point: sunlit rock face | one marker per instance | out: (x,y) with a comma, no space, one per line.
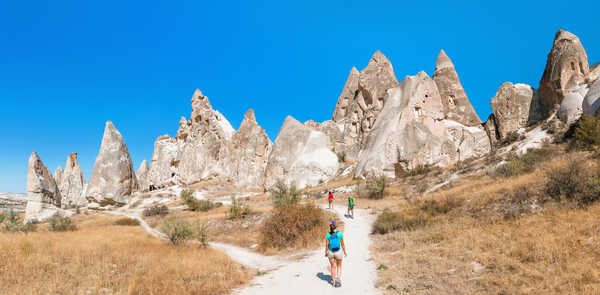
(113,178)
(411,130)
(301,155)
(73,183)
(43,195)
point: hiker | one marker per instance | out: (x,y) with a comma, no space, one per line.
(334,240)
(330,199)
(351,206)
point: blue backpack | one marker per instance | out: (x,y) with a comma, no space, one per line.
(334,241)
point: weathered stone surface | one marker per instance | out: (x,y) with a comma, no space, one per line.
(333,130)
(361,101)
(58,176)
(164,166)
(591,102)
(301,155)
(250,149)
(454,99)
(411,130)
(594,73)
(571,107)
(73,183)
(491,129)
(566,68)
(512,107)
(142,175)
(113,178)
(43,195)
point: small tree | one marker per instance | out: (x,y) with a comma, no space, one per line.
(284,195)
(587,133)
(376,187)
(238,210)
(177,229)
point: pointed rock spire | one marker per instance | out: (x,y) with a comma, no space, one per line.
(58,175)
(567,67)
(142,176)
(113,179)
(347,97)
(41,185)
(457,106)
(72,183)
(375,79)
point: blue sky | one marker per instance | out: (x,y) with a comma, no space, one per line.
(68,66)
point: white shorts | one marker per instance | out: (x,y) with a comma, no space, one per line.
(339,255)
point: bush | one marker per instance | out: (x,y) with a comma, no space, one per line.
(510,138)
(290,225)
(587,133)
(389,221)
(61,223)
(376,187)
(177,229)
(528,162)
(202,233)
(198,205)
(443,206)
(284,195)
(161,210)
(126,221)
(237,209)
(11,223)
(574,182)
(2,216)
(422,186)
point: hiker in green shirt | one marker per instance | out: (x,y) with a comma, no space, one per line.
(351,206)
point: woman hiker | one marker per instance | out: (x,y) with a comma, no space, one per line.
(330,199)
(334,240)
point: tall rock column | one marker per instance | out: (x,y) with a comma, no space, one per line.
(142,176)
(73,183)
(43,195)
(113,179)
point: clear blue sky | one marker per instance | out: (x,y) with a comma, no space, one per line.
(68,66)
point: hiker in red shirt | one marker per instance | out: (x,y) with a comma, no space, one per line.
(330,199)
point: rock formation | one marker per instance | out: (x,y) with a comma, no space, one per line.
(571,107)
(301,155)
(411,131)
(511,106)
(43,195)
(567,67)
(250,149)
(142,176)
(591,102)
(200,150)
(361,101)
(58,176)
(113,179)
(491,129)
(72,183)
(454,99)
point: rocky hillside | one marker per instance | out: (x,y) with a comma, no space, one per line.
(379,126)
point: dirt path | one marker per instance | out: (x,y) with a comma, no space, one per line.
(311,275)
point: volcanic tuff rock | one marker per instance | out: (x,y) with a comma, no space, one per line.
(571,107)
(591,103)
(58,176)
(567,67)
(113,178)
(250,149)
(512,107)
(43,195)
(454,99)
(491,129)
(361,101)
(142,176)
(301,155)
(411,131)
(72,183)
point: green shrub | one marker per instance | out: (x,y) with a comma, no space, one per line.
(177,229)
(528,162)
(198,205)
(376,187)
(587,133)
(237,209)
(126,221)
(575,182)
(283,195)
(61,223)
(161,210)
(290,224)
(389,221)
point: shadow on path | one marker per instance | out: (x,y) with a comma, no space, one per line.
(324,277)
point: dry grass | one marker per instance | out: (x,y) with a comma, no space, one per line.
(468,246)
(101,258)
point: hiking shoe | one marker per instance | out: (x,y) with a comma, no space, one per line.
(338,283)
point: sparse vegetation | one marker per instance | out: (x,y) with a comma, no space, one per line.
(510,138)
(11,223)
(202,233)
(126,221)
(238,209)
(177,229)
(293,225)
(421,186)
(441,206)
(376,187)
(198,205)
(61,223)
(389,221)
(528,162)
(284,195)
(160,210)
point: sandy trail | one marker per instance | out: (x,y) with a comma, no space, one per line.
(311,275)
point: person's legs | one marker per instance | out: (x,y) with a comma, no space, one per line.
(330,204)
(333,269)
(339,269)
